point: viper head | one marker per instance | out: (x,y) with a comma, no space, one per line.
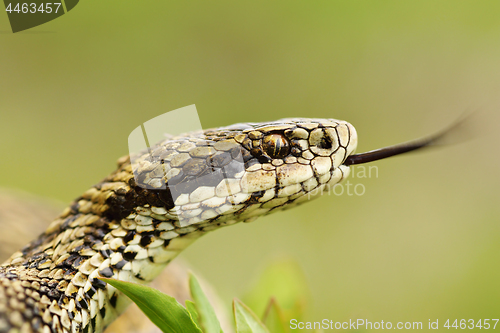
(239,172)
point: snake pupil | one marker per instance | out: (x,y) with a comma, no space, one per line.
(276,146)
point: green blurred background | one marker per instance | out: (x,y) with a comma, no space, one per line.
(421,243)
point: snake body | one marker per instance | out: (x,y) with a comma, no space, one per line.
(157,202)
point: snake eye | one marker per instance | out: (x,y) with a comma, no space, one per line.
(276,146)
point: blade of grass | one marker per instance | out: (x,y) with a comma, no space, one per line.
(246,320)
(273,318)
(192,312)
(206,315)
(163,310)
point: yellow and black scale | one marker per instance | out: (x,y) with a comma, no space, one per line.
(134,222)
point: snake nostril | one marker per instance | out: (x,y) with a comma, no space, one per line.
(325,142)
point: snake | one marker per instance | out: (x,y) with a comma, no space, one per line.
(131,224)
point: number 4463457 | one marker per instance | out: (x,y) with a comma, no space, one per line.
(471,324)
(34,8)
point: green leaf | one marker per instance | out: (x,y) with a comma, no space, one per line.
(206,315)
(246,320)
(192,312)
(163,310)
(274,319)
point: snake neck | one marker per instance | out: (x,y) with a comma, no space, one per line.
(52,284)
(134,222)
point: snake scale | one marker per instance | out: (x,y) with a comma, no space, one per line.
(136,220)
